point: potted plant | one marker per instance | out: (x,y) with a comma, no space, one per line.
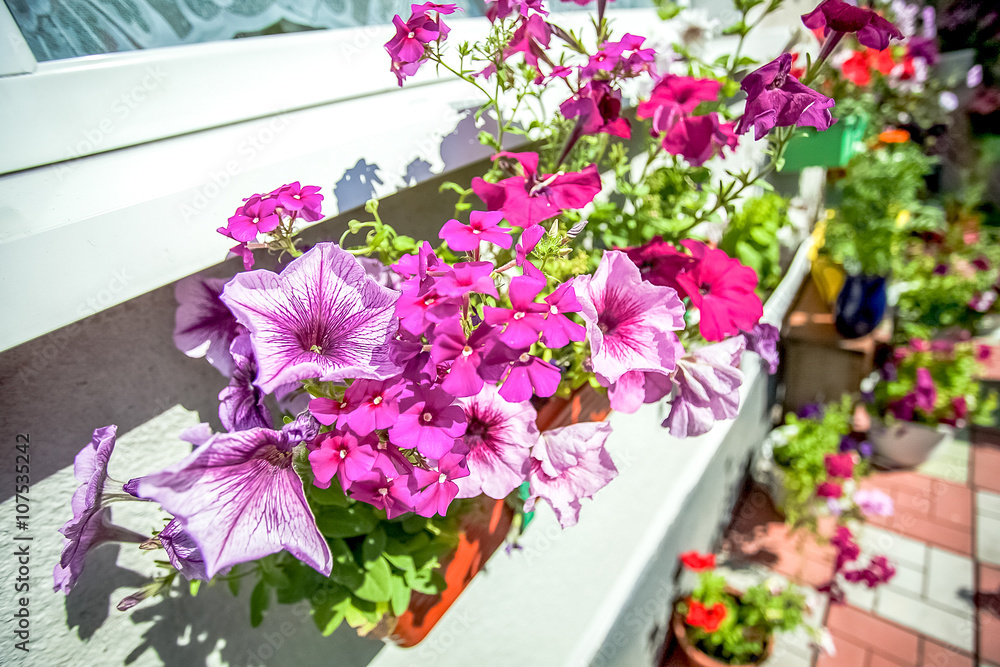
(879,205)
(716,624)
(382,409)
(919,395)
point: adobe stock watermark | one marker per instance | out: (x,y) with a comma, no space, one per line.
(220,179)
(96,137)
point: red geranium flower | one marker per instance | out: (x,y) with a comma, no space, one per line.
(707,618)
(697,562)
(856,70)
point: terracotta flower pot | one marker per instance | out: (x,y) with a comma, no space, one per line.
(697,658)
(484,530)
(906,445)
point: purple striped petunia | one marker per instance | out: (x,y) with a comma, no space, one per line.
(322,317)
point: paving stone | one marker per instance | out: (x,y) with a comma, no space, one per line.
(937,655)
(986,469)
(988,539)
(849,654)
(786,658)
(900,549)
(950,461)
(945,626)
(988,504)
(952,503)
(881,661)
(860,596)
(989,637)
(950,581)
(907,579)
(875,634)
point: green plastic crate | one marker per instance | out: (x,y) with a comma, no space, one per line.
(833,148)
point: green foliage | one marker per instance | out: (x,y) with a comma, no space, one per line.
(752,617)
(377,563)
(939,281)
(953,369)
(880,206)
(801,457)
(752,237)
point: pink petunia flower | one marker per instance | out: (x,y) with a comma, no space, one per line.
(723,291)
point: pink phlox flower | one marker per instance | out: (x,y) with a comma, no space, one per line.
(630,322)
(708,382)
(501,9)
(532,198)
(373,404)
(531,38)
(466,354)
(437,487)
(257,216)
(429,421)
(466,277)
(612,58)
(558,330)
(385,488)
(420,305)
(674,97)
(303,200)
(528,375)
(524,321)
(483,226)
(243,252)
(567,465)
(847,549)
(872,30)
(341,455)
(597,108)
(776,98)
(723,291)
(499,438)
(699,138)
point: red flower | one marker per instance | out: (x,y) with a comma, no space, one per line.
(856,70)
(707,618)
(882,60)
(697,562)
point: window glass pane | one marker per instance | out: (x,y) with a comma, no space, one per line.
(56,29)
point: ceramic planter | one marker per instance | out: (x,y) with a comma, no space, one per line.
(696,658)
(905,444)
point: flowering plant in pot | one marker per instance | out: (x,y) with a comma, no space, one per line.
(717,624)
(924,385)
(382,390)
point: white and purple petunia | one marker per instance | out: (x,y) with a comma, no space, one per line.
(241,403)
(499,435)
(204,326)
(322,317)
(182,551)
(708,381)
(630,322)
(91,523)
(239,499)
(569,464)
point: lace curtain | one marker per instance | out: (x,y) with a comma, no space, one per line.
(56,29)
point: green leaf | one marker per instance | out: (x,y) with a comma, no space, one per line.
(193,586)
(400,596)
(272,573)
(374,545)
(329,605)
(345,570)
(357,519)
(333,495)
(377,584)
(260,599)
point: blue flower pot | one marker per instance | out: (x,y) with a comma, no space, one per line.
(860,305)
